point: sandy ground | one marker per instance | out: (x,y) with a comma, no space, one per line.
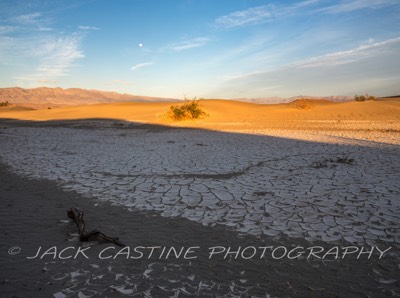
(225,114)
(377,121)
(302,175)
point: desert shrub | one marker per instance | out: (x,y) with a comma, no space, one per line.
(363,97)
(189,110)
(4,104)
(302,104)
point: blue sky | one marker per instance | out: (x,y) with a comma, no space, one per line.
(203,48)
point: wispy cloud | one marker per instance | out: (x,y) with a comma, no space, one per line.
(305,3)
(27,18)
(141,65)
(365,50)
(252,15)
(56,57)
(352,5)
(190,44)
(7,29)
(265,13)
(88,28)
(10,49)
(344,57)
(352,71)
(59,54)
(259,14)
(45,29)
(42,54)
(32,21)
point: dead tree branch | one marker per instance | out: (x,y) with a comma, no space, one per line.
(77,216)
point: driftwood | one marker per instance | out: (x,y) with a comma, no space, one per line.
(77,216)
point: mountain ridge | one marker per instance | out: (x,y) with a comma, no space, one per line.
(58,97)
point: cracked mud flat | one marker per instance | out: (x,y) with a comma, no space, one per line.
(327,189)
(255,184)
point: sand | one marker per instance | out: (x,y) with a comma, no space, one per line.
(298,162)
(377,120)
(226,111)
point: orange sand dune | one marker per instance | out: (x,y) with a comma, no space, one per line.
(224,114)
(138,112)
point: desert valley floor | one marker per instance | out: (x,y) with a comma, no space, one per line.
(308,179)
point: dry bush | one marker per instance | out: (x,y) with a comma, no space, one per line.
(363,97)
(302,104)
(189,110)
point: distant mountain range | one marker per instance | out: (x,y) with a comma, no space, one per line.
(53,97)
(276,100)
(57,97)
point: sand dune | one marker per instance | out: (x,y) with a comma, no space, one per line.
(224,112)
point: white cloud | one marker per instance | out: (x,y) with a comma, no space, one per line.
(141,65)
(61,54)
(39,53)
(259,14)
(27,18)
(305,3)
(264,13)
(7,29)
(243,17)
(88,28)
(32,21)
(190,44)
(55,58)
(45,29)
(363,51)
(348,56)
(371,67)
(348,6)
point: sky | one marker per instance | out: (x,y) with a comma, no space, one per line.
(203,48)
